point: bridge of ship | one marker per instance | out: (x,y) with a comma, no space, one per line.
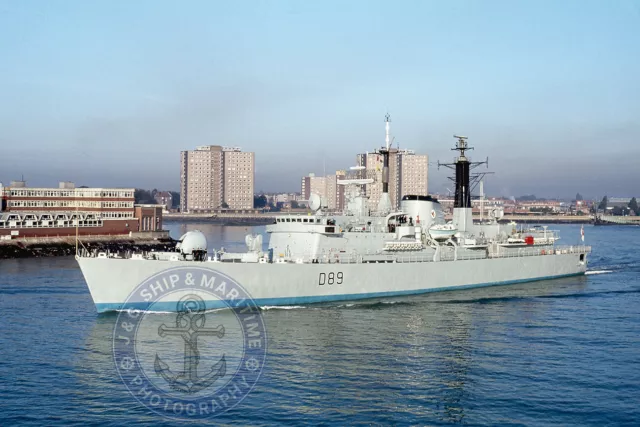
(304,224)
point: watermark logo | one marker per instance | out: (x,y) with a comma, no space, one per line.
(191,343)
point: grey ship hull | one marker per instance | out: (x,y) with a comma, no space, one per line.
(112,281)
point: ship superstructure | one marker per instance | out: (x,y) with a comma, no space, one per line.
(359,254)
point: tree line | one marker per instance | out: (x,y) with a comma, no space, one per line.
(632,206)
(142,196)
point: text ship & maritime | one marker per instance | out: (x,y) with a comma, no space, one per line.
(357,254)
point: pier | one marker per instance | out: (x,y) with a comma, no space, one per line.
(617,220)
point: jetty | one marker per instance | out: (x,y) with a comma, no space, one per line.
(616,220)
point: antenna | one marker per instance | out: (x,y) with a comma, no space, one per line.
(465,181)
(461,145)
(384,205)
(481,200)
(387,120)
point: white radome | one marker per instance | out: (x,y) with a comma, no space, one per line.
(192,241)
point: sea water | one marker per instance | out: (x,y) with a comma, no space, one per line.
(555,352)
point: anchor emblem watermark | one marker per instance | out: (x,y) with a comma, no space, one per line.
(190,324)
(181,357)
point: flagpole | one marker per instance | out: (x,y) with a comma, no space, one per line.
(77,220)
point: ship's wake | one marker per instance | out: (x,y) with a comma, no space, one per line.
(371,304)
(362,304)
(588,273)
(281,307)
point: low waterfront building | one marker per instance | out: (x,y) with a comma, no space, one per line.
(41,212)
(620,202)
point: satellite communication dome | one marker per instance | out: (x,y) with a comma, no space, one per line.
(192,241)
(314,202)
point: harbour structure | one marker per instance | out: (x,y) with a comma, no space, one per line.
(67,211)
(358,254)
(214,177)
(602,219)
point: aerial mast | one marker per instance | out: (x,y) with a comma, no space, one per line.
(465,183)
(463,194)
(387,126)
(384,206)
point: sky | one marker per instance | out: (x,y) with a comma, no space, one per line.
(107,93)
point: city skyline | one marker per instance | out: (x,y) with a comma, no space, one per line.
(98,95)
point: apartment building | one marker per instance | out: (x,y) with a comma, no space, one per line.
(238,178)
(212,177)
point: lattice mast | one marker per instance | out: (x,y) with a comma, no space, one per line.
(465,181)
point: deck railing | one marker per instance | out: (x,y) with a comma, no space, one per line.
(446,254)
(449,255)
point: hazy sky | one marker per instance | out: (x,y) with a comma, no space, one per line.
(107,93)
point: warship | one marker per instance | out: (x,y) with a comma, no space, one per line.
(358,253)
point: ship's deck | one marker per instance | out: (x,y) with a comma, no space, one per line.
(447,254)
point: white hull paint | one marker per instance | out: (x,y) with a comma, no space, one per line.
(111,281)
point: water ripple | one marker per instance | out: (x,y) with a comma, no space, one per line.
(560,352)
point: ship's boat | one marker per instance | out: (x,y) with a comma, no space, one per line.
(442,231)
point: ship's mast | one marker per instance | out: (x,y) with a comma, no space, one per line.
(465,183)
(463,194)
(384,205)
(387,126)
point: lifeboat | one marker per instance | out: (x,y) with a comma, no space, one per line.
(442,231)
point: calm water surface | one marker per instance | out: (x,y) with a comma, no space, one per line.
(559,352)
